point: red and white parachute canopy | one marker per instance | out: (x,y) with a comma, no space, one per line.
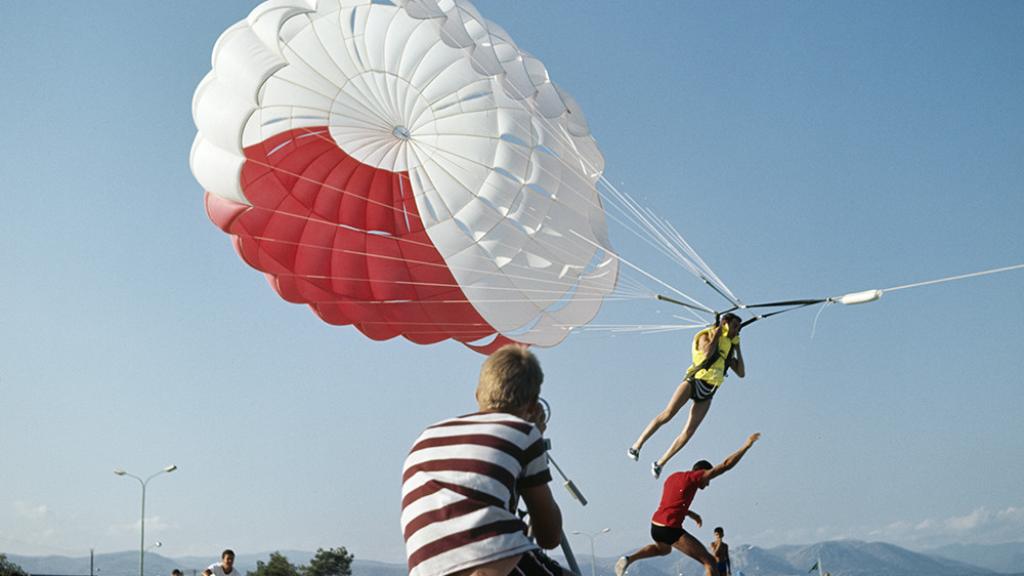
(405,169)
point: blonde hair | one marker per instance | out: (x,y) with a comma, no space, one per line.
(510,379)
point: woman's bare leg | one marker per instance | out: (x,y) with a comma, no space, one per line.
(697,412)
(679,398)
(497,568)
(692,547)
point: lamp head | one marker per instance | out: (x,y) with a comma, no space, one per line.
(170,468)
(119,472)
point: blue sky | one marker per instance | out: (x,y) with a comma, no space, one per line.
(804,149)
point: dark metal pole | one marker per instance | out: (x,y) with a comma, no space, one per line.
(570,558)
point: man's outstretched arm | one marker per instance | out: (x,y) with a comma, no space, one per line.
(733,458)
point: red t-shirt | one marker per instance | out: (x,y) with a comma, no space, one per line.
(680,488)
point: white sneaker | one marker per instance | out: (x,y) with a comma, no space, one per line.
(655,469)
(620,566)
(633,454)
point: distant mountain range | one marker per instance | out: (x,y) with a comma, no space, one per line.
(1008,557)
(839,558)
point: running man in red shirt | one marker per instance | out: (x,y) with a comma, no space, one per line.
(667,522)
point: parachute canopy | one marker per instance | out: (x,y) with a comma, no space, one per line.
(405,169)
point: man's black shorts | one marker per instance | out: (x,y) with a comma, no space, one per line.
(666,534)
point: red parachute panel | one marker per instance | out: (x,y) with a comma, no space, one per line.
(345,238)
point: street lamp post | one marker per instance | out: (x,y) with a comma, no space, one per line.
(593,556)
(142,542)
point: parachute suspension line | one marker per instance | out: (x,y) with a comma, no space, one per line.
(647,274)
(957,277)
(643,329)
(486,329)
(635,286)
(702,264)
(324,185)
(405,212)
(566,285)
(814,326)
(438,285)
(669,234)
(643,217)
(674,245)
(546,301)
(674,241)
(669,238)
(660,229)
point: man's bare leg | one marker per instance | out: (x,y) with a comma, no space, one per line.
(692,547)
(649,551)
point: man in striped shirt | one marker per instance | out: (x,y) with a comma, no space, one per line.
(464,476)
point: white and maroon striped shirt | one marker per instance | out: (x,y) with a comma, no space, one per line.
(460,487)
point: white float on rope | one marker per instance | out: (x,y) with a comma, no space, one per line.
(862,297)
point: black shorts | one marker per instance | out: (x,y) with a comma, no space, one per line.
(665,534)
(536,563)
(701,390)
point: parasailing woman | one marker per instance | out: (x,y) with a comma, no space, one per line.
(715,351)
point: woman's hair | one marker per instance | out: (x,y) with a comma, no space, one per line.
(509,379)
(728,317)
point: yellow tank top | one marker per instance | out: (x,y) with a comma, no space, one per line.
(715,374)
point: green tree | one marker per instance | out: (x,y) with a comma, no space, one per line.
(277,566)
(8,568)
(331,562)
